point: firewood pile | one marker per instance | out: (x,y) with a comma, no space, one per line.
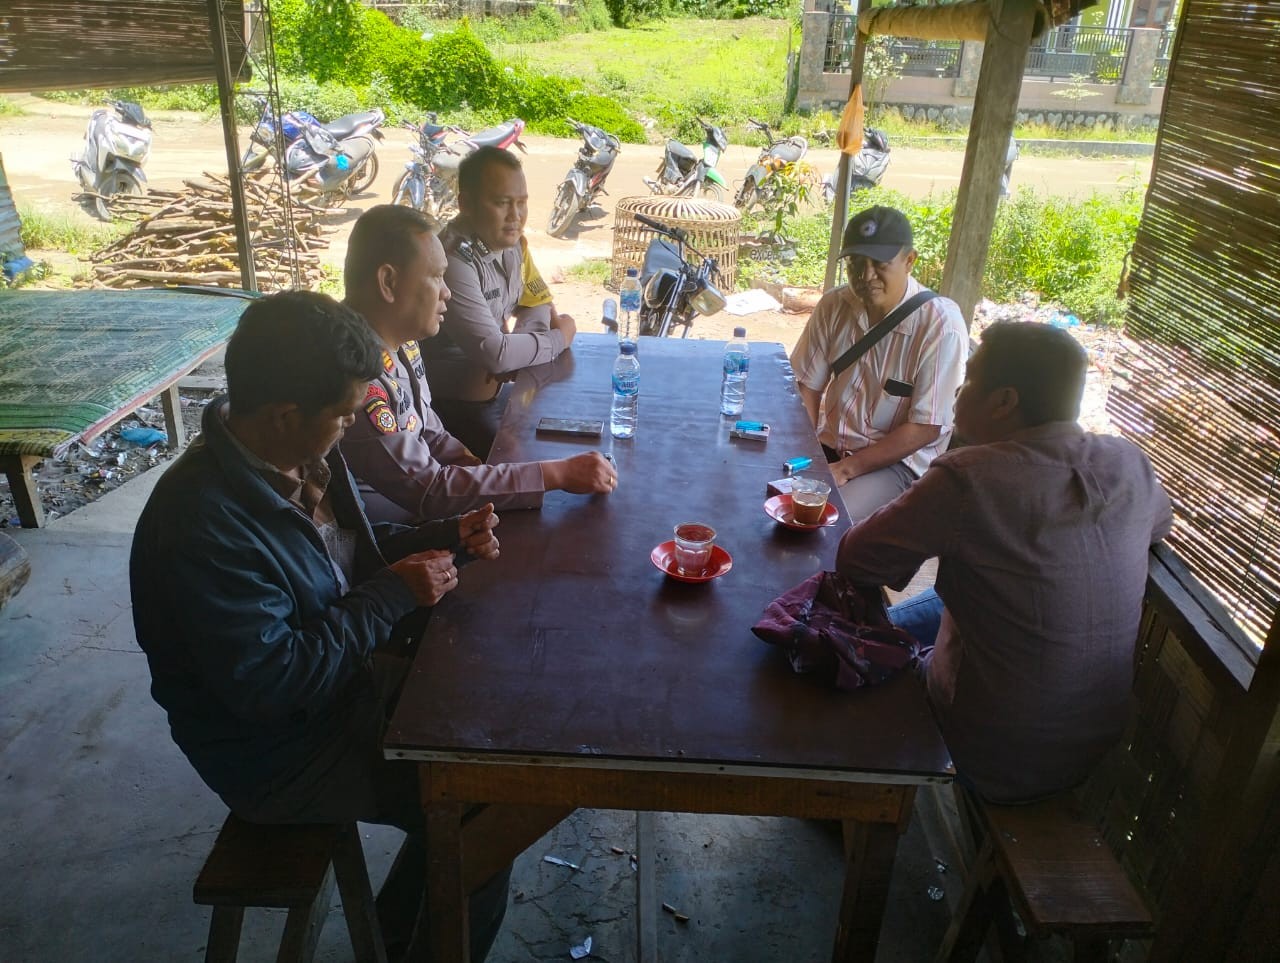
(188,237)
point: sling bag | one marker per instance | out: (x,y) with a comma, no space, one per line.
(872,337)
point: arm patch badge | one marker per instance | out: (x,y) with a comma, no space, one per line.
(382,417)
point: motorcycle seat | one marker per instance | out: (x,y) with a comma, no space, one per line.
(493,136)
(788,152)
(346,126)
(680,151)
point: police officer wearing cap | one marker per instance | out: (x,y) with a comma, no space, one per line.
(500,318)
(889,356)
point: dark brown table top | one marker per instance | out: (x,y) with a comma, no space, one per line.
(573,644)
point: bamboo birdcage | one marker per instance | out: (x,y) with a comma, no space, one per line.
(712,229)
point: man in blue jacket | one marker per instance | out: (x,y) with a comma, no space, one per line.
(265,601)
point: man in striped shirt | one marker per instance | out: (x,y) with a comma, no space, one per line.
(888,413)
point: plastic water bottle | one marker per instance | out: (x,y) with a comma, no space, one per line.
(629,296)
(733,386)
(626,391)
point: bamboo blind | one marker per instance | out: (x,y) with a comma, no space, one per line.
(70,44)
(1201,391)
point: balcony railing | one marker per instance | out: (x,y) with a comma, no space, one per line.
(927,58)
(1096,54)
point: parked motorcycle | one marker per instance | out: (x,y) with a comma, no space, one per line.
(760,186)
(585,180)
(430,180)
(674,290)
(352,135)
(866,168)
(117,143)
(682,173)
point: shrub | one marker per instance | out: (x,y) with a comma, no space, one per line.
(1068,251)
(607,115)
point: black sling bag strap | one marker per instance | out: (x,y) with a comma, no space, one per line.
(872,337)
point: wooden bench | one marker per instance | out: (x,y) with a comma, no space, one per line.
(293,868)
(73,363)
(1142,848)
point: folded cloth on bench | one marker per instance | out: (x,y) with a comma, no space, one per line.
(71,362)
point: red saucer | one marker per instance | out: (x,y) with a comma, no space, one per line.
(779,508)
(664,556)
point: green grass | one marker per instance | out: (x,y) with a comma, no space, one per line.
(671,71)
(594,270)
(65,231)
(9,109)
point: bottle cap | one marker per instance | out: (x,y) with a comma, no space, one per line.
(633,273)
(626,347)
(739,332)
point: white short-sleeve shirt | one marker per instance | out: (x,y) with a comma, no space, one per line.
(911,375)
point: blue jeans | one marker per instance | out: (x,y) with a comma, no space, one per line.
(920,615)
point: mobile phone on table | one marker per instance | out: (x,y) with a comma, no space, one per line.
(580,427)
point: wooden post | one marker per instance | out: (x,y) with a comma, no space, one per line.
(995,108)
(227,101)
(839,213)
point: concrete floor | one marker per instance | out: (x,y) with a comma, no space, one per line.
(106,825)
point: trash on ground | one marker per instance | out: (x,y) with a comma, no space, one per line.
(935,893)
(143,437)
(750,301)
(583,949)
(556,860)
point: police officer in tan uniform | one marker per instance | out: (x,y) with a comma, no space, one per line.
(408,465)
(500,318)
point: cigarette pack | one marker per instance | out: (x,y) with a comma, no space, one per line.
(779,486)
(750,434)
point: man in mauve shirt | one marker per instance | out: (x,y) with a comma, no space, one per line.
(1042,532)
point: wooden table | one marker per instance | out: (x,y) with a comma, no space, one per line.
(572,673)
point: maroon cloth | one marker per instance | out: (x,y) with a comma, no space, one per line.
(828,625)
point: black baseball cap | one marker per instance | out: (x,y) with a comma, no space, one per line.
(878,233)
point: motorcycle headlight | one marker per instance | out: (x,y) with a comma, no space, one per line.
(707,300)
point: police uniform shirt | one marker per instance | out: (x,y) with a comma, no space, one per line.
(477,340)
(407,464)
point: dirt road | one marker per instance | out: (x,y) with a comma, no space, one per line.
(36,148)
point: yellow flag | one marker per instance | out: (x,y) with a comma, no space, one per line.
(535,290)
(849,133)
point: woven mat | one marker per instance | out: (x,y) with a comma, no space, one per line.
(71,361)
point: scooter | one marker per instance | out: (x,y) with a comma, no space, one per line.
(867,166)
(585,180)
(318,163)
(674,290)
(759,186)
(365,124)
(681,173)
(116,145)
(430,180)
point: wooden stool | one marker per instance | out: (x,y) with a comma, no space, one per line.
(287,867)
